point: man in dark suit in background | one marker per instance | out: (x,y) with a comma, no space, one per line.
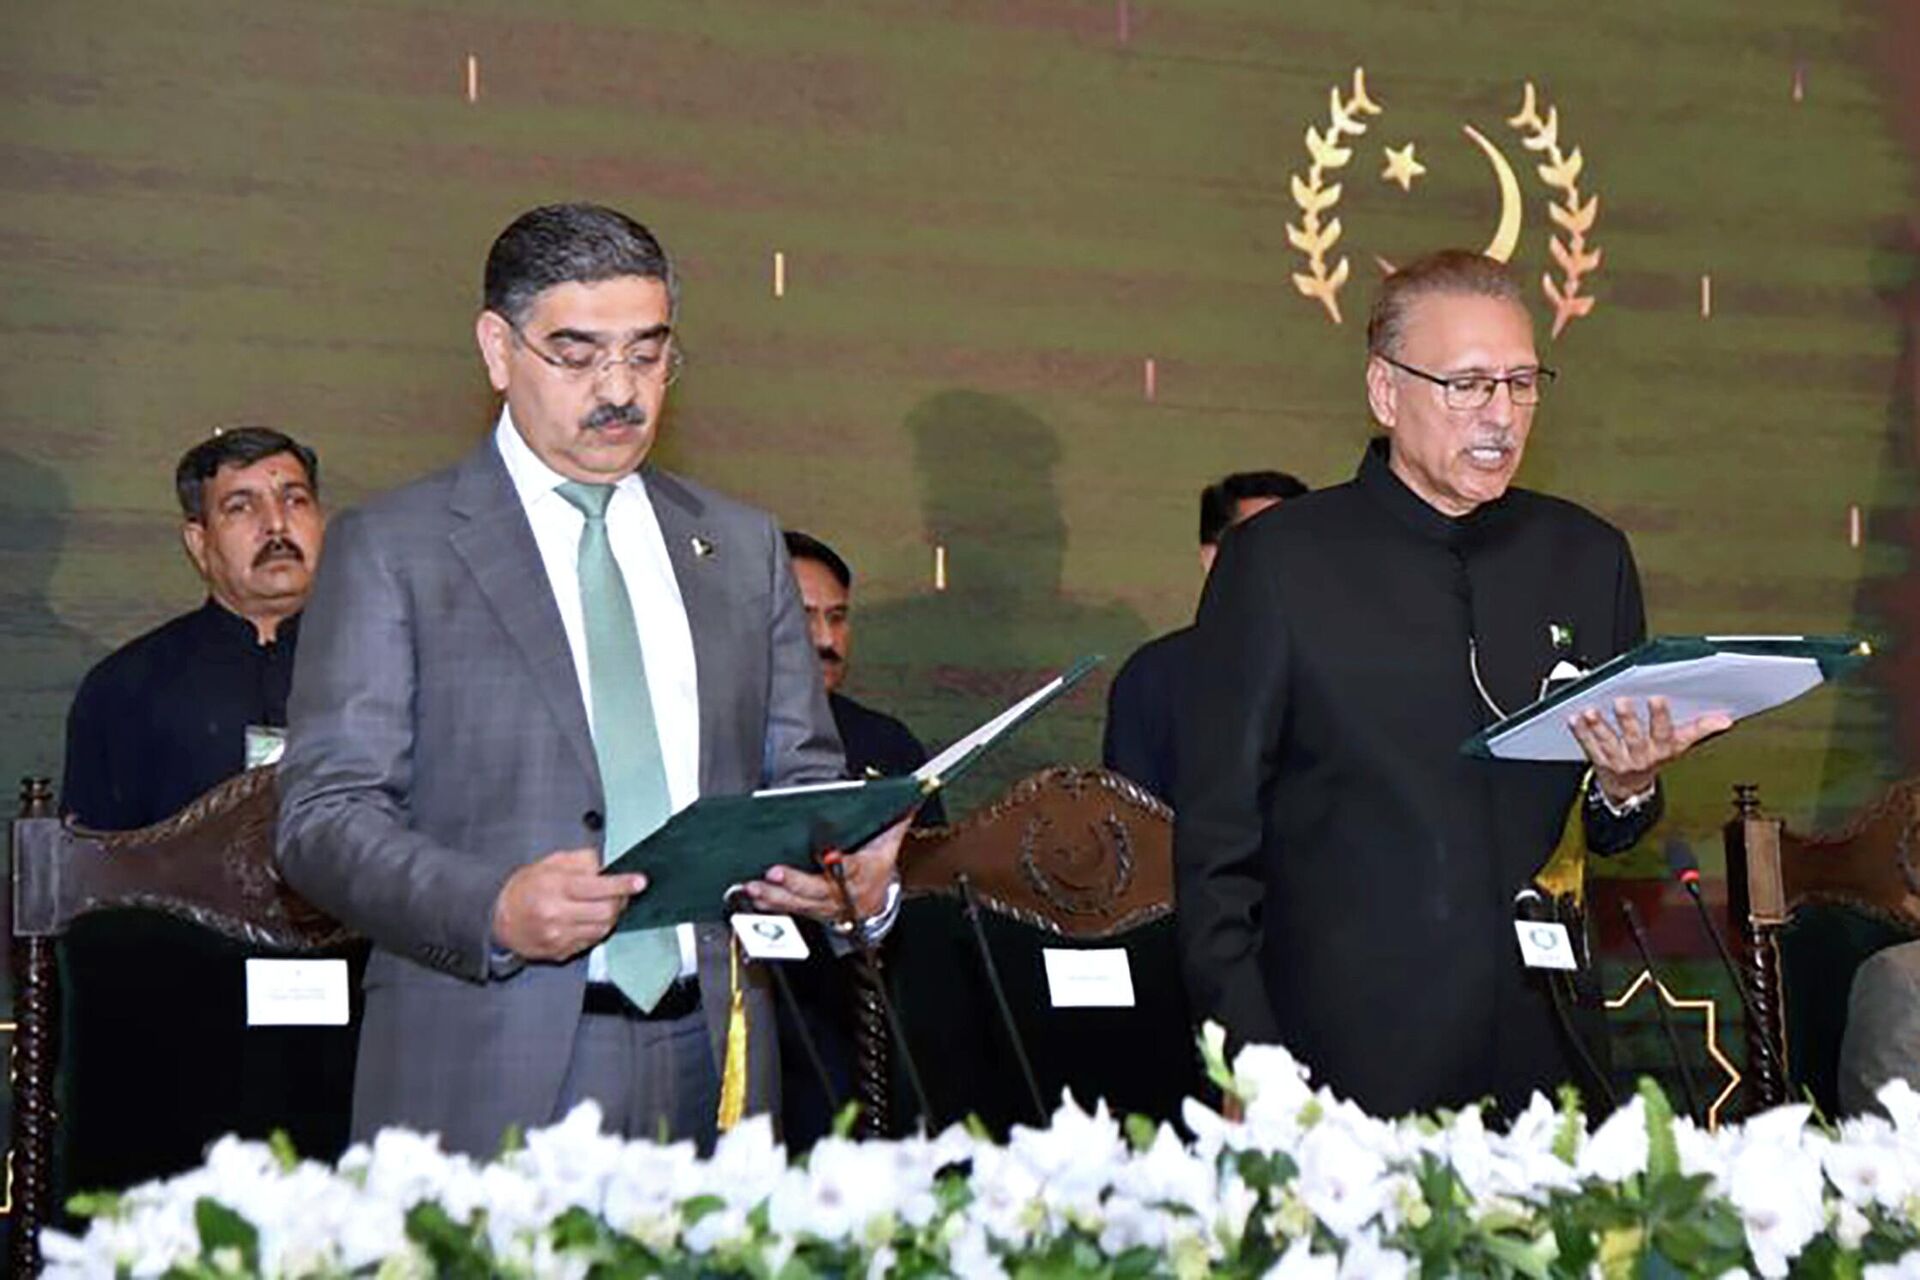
(1142,700)
(520,665)
(877,745)
(157,1009)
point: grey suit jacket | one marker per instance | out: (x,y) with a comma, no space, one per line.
(437,741)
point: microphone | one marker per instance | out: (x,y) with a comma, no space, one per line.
(1530,903)
(834,864)
(1686,870)
(1660,1007)
(736,900)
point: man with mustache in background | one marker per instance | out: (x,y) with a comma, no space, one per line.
(161,1058)
(1347,878)
(877,746)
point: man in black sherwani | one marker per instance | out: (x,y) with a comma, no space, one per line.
(1346,877)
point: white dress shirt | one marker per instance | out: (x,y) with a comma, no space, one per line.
(659,615)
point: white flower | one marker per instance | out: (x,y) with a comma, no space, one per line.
(745,1166)
(1618,1148)
(971,1255)
(1167,1172)
(843,1185)
(1367,1259)
(1774,1180)
(1898,1100)
(1006,1193)
(1342,1179)
(1299,1262)
(722,1226)
(1866,1166)
(1273,1081)
(1073,1158)
(1850,1226)
(1907,1268)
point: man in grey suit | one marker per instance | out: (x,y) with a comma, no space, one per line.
(516,664)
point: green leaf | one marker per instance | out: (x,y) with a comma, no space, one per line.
(698,1207)
(457,1252)
(222,1228)
(578,1229)
(1573,1125)
(846,1118)
(1663,1157)
(283,1153)
(1140,1131)
(95,1204)
(1528,1257)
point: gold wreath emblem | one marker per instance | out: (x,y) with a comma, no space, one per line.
(1324,154)
(1319,230)
(1561,172)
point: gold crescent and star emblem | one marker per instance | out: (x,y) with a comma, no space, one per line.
(1328,152)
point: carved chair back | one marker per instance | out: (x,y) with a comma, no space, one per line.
(1068,860)
(1809,909)
(210,865)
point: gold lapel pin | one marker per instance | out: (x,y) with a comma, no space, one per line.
(701,547)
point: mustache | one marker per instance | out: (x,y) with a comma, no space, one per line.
(615,415)
(829,654)
(278,549)
(1491,440)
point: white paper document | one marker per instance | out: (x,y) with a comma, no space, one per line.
(986,734)
(1735,684)
(296,993)
(1097,979)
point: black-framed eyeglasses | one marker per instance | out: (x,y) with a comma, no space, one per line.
(658,357)
(1475,390)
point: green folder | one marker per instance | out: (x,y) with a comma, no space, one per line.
(1740,676)
(720,841)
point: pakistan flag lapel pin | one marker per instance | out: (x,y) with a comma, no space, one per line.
(1562,636)
(702,549)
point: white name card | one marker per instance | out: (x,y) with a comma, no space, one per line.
(296,993)
(1545,944)
(769,937)
(1098,979)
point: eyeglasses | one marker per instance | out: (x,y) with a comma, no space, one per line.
(1475,390)
(654,358)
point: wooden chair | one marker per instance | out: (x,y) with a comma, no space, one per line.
(1809,909)
(1071,859)
(210,865)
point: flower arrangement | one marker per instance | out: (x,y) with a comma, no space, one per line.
(1300,1184)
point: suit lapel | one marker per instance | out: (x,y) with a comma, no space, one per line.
(497,546)
(700,565)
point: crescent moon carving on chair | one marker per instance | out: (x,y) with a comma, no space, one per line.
(1506,237)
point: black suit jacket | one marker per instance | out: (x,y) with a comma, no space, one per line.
(1345,876)
(1139,742)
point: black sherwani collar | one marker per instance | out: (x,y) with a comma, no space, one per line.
(1414,513)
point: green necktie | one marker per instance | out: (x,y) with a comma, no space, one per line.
(626,741)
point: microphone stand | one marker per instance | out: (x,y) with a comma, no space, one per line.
(972,902)
(1660,1007)
(834,863)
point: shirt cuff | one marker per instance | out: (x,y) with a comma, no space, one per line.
(1639,800)
(878,925)
(502,963)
